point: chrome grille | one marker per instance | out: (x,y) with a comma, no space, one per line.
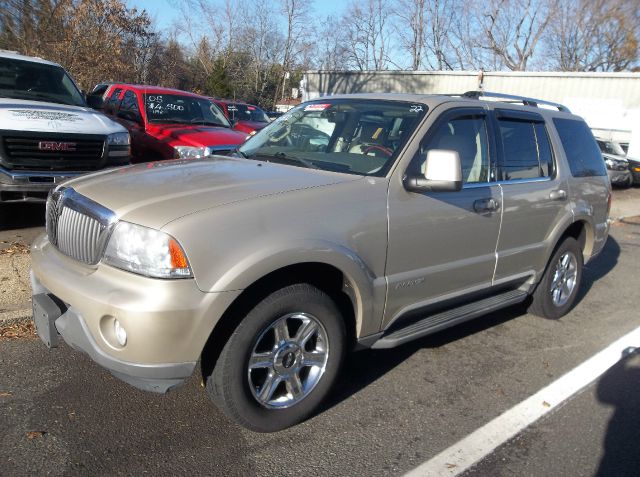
(78,226)
(78,235)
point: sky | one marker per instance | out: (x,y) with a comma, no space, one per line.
(164,12)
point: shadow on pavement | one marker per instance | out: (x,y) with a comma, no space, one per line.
(21,216)
(620,388)
(365,367)
(600,266)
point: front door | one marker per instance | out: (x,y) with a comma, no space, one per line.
(443,244)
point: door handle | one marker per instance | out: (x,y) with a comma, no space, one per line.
(558,194)
(486,205)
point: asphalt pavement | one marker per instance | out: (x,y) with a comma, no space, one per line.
(61,414)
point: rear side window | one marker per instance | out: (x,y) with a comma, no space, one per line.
(526,150)
(111,103)
(580,148)
(130,103)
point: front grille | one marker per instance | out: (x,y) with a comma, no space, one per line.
(78,226)
(47,152)
(78,235)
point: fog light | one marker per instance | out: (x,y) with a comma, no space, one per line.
(121,334)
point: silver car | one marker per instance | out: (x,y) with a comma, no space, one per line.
(350,222)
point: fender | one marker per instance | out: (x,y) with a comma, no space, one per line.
(366,290)
(559,230)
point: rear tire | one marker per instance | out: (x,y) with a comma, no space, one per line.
(281,361)
(557,291)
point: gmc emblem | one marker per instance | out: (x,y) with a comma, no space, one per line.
(56,146)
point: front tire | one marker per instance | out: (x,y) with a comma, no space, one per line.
(557,291)
(281,360)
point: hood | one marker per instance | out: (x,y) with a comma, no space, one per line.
(23,115)
(614,157)
(199,136)
(249,126)
(155,193)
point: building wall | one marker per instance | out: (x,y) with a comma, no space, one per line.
(609,102)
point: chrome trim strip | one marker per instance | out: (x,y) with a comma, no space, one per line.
(84,230)
(525,181)
(24,176)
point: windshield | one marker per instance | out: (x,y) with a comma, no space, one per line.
(175,108)
(610,147)
(37,82)
(355,136)
(246,112)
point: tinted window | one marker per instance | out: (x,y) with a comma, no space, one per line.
(37,82)
(130,103)
(246,112)
(526,150)
(468,136)
(580,148)
(111,103)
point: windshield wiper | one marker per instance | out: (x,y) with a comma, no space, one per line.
(284,157)
(239,153)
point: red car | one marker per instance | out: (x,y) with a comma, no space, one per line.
(168,123)
(244,117)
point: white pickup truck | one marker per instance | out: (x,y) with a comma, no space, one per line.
(47,132)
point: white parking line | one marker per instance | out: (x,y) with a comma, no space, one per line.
(480,443)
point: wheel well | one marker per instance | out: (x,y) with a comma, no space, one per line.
(325,277)
(581,231)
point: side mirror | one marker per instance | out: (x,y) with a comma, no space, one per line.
(443,172)
(95,102)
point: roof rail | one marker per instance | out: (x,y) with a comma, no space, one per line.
(513,98)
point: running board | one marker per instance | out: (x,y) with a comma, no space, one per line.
(448,318)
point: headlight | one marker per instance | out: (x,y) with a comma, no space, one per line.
(147,252)
(610,163)
(119,139)
(190,152)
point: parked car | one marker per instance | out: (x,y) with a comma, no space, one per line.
(167,123)
(634,167)
(361,221)
(618,168)
(47,132)
(611,147)
(273,115)
(244,117)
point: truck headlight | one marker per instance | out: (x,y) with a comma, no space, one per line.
(147,252)
(190,152)
(119,139)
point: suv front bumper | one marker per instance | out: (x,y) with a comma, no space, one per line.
(52,318)
(168,322)
(29,186)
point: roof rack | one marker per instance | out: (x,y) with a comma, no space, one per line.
(515,99)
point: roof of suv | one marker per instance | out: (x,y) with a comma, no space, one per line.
(14,55)
(473,97)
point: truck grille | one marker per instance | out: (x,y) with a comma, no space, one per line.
(78,226)
(59,152)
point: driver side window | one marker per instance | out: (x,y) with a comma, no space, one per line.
(465,134)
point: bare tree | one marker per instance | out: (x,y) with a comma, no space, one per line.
(511,29)
(594,35)
(410,29)
(367,35)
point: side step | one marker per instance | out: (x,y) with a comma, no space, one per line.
(448,318)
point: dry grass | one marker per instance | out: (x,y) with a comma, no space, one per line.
(20,330)
(13,248)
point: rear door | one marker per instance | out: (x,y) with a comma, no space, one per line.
(442,244)
(535,199)
(129,115)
